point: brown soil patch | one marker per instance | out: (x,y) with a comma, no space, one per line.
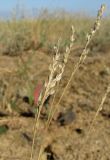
(83,96)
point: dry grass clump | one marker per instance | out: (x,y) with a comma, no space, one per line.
(19,35)
(56,71)
(14,37)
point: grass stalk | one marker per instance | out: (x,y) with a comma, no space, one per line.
(95,117)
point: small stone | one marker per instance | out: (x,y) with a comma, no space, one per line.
(66,118)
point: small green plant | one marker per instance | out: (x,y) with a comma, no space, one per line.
(3,129)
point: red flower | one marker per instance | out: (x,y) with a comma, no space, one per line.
(37,93)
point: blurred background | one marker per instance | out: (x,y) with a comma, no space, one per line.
(26,24)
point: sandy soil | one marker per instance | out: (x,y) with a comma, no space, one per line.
(84,95)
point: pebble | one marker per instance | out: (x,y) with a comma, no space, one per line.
(66,118)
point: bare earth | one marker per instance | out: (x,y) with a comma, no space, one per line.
(84,95)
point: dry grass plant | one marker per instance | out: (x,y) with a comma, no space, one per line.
(56,71)
(65,59)
(66,55)
(83,55)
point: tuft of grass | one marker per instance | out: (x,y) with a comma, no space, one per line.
(15,38)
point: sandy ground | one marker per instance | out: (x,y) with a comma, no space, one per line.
(69,142)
